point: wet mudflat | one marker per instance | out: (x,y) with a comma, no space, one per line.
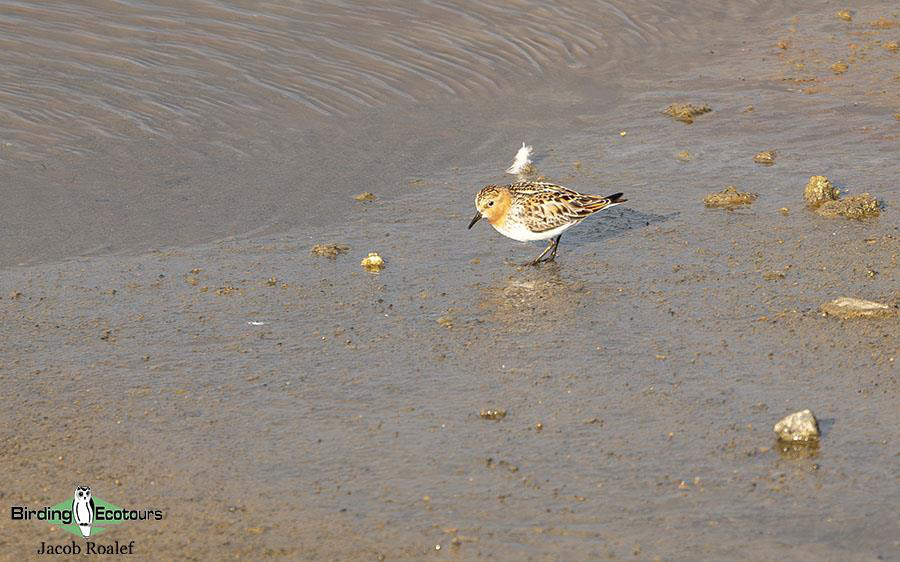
(277,402)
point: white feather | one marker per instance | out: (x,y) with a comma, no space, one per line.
(523,159)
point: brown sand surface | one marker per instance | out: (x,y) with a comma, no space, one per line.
(170,339)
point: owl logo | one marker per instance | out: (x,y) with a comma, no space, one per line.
(83,509)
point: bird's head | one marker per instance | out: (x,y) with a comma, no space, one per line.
(492,203)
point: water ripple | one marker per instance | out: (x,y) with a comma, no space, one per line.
(78,72)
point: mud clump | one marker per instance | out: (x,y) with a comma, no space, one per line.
(819,190)
(685,112)
(729,197)
(799,426)
(330,250)
(856,207)
(848,307)
(766,157)
(372,263)
(884,23)
(493,414)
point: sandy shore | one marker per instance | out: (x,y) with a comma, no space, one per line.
(275,403)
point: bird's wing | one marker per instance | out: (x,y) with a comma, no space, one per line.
(527,188)
(548,210)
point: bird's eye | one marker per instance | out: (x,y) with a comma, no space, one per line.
(490,204)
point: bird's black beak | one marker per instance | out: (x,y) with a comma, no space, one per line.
(475,219)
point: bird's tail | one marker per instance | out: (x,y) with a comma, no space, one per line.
(603,202)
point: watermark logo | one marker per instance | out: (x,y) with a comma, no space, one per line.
(85,516)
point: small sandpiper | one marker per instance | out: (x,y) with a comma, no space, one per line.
(533,210)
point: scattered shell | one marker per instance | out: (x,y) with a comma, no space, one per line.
(365,196)
(729,197)
(892,46)
(855,207)
(373,262)
(685,112)
(773,275)
(839,67)
(784,210)
(848,307)
(819,190)
(845,15)
(445,321)
(330,250)
(493,414)
(783,44)
(766,157)
(684,156)
(799,426)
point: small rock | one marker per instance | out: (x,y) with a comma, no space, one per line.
(373,262)
(685,112)
(799,426)
(766,157)
(365,196)
(819,190)
(729,197)
(330,250)
(839,67)
(493,414)
(855,207)
(848,307)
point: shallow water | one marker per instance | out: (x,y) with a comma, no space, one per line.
(343,423)
(137,125)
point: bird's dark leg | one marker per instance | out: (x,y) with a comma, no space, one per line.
(551,246)
(555,247)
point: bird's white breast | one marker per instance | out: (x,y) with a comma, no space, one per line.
(518,231)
